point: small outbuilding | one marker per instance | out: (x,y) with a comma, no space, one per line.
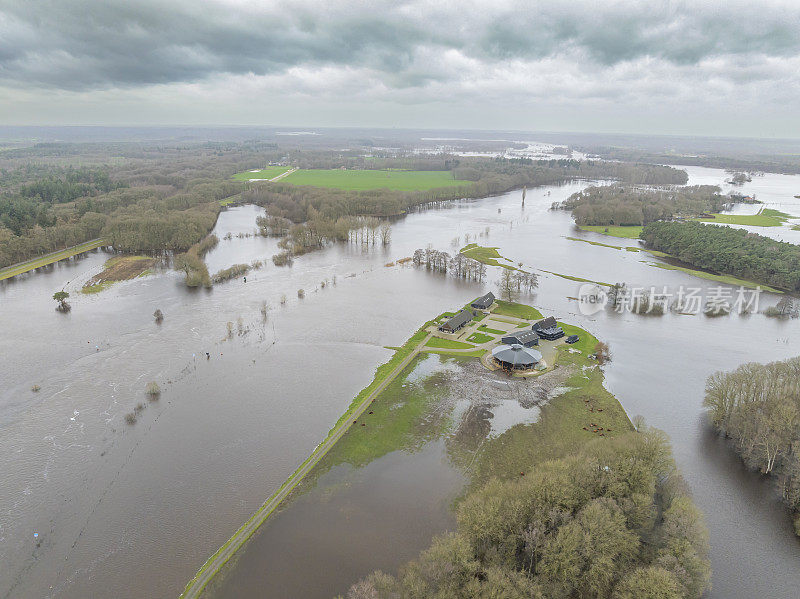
(524,338)
(548,329)
(515,357)
(573,339)
(483,303)
(456,322)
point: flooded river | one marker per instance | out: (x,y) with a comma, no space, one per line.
(134,510)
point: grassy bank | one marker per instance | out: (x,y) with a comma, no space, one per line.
(724,279)
(577,279)
(22,267)
(119,268)
(631,232)
(767,217)
(487,255)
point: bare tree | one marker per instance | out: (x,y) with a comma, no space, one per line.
(386,233)
(508,285)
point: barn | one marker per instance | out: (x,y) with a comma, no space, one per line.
(524,338)
(456,322)
(484,302)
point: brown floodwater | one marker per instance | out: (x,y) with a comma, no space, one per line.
(134,510)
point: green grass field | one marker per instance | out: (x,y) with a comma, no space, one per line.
(631,232)
(479,338)
(766,218)
(487,255)
(447,344)
(264,173)
(367,179)
(519,310)
(486,329)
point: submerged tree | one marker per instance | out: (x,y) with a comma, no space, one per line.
(61,298)
(508,285)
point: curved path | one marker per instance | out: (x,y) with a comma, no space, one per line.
(224,553)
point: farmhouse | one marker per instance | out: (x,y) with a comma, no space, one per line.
(456,322)
(515,357)
(483,303)
(548,329)
(524,338)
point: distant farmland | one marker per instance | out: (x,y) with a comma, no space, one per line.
(367,179)
(264,173)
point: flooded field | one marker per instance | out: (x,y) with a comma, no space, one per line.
(111,501)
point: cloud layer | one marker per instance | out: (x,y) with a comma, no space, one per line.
(402,60)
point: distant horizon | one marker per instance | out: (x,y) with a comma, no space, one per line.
(712,69)
(309,128)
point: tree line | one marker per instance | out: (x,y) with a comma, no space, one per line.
(633,205)
(611,521)
(728,250)
(459,265)
(757,406)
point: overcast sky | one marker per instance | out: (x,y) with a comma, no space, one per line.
(706,68)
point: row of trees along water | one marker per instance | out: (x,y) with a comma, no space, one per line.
(637,205)
(732,251)
(612,521)
(758,407)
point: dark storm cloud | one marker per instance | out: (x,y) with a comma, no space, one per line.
(83,45)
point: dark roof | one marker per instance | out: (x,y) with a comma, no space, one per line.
(516,355)
(484,301)
(459,320)
(523,337)
(547,323)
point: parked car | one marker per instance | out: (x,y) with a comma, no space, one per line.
(573,339)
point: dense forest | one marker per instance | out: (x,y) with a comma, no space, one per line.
(613,521)
(632,205)
(728,250)
(150,197)
(758,407)
(140,197)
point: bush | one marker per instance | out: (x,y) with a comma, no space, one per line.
(301,293)
(159,316)
(282,259)
(35,388)
(237,270)
(153,390)
(130,418)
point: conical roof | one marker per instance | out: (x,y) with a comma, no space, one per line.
(516,355)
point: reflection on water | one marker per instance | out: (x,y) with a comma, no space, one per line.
(111,501)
